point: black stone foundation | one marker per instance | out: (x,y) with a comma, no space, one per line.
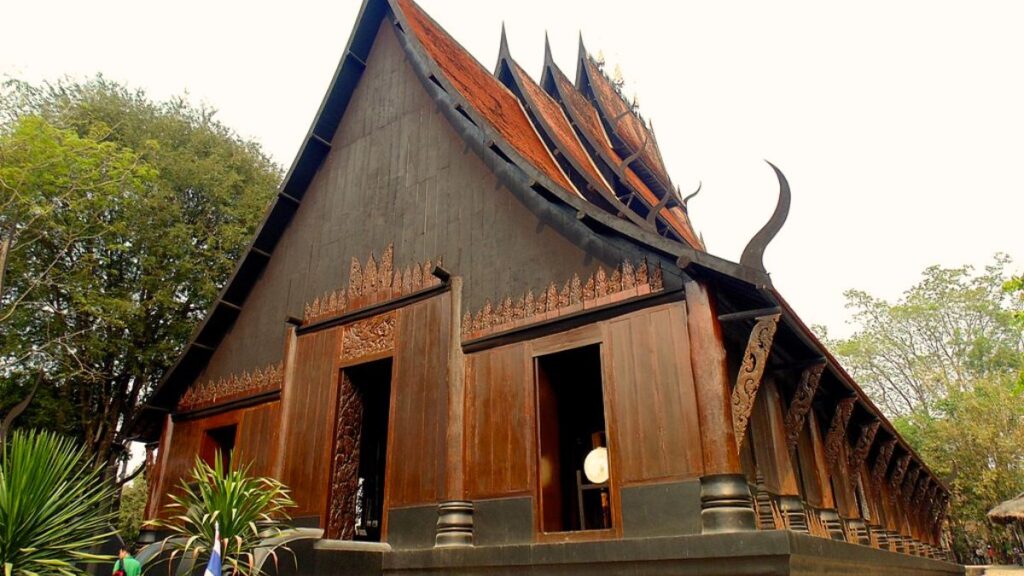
(765,553)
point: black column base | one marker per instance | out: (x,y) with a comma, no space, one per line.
(454,524)
(726,504)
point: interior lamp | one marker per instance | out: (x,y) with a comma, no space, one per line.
(595,465)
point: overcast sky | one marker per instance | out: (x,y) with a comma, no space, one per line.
(900,125)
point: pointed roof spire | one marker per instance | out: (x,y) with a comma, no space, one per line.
(583,49)
(547,48)
(503,49)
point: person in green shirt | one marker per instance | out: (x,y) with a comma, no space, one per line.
(126,565)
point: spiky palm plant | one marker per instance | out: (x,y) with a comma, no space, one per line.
(54,507)
(248,509)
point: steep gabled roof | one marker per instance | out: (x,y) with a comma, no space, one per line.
(587,121)
(550,121)
(631,135)
(484,92)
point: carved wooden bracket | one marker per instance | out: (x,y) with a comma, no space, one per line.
(372,283)
(755,358)
(921,490)
(231,387)
(369,337)
(601,288)
(837,431)
(801,404)
(881,465)
(909,483)
(900,470)
(864,442)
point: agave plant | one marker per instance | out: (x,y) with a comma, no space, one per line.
(248,510)
(54,507)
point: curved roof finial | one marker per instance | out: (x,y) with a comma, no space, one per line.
(753,254)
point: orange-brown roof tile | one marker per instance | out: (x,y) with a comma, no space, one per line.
(483,92)
(559,130)
(631,129)
(590,124)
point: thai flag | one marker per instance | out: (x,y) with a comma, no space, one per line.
(213,567)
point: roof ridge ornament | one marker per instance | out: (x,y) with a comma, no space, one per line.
(753,254)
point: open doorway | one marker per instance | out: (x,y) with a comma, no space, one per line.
(574,464)
(359,465)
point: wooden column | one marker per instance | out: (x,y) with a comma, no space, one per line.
(455,513)
(726,503)
(284,423)
(816,476)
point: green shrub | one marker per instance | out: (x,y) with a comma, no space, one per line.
(53,507)
(248,510)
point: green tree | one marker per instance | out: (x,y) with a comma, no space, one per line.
(948,331)
(124,216)
(130,514)
(945,363)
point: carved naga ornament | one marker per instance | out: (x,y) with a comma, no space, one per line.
(749,378)
(753,254)
(837,431)
(864,442)
(796,416)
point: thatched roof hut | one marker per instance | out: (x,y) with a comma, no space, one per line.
(1008,512)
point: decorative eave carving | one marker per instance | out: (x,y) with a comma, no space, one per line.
(923,484)
(372,283)
(837,431)
(370,337)
(881,465)
(864,442)
(900,470)
(748,381)
(210,392)
(600,289)
(909,483)
(801,404)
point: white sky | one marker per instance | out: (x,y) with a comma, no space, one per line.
(900,125)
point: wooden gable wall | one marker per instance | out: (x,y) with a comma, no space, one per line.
(397,173)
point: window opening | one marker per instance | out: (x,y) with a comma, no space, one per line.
(572,438)
(219,440)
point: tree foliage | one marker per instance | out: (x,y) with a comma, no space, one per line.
(53,506)
(945,363)
(947,332)
(124,216)
(131,512)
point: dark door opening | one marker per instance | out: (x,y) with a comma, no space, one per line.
(574,470)
(218,441)
(360,452)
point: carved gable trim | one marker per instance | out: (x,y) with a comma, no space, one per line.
(748,381)
(371,283)
(601,288)
(210,392)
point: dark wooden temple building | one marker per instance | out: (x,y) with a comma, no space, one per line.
(476,333)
